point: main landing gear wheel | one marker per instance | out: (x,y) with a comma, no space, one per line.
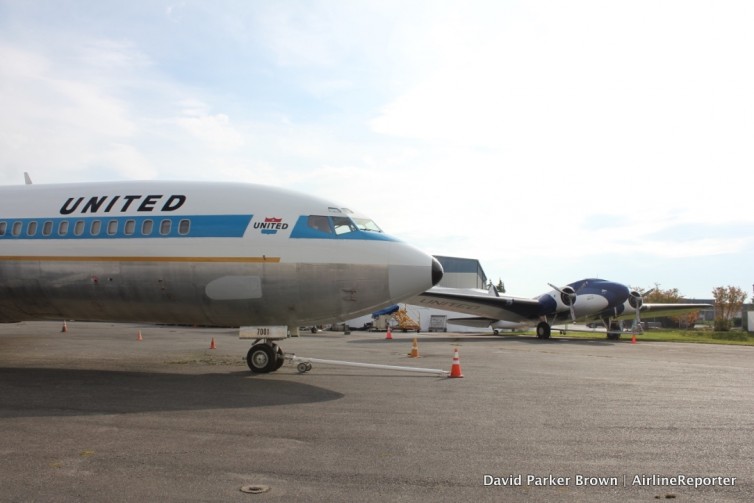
(614,331)
(264,358)
(543,330)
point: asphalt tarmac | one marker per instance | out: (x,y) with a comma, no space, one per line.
(94,414)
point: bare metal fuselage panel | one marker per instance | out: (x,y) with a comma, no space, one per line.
(188,292)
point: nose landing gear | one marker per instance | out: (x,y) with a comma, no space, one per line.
(265,356)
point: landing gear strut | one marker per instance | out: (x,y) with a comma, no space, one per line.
(265,357)
(543,330)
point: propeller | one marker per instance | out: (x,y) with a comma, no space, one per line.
(636,300)
(568,297)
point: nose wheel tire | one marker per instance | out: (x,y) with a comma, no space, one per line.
(280,358)
(264,358)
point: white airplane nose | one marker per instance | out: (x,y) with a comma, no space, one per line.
(412,272)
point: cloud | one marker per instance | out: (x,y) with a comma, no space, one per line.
(52,120)
(126,162)
(567,110)
(104,112)
(216,131)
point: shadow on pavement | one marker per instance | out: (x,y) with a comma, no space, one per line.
(39,392)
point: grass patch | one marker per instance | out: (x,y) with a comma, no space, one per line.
(734,337)
(697,336)
(207,360)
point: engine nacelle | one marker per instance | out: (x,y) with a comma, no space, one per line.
(568,296)
(564,298)
(635,299)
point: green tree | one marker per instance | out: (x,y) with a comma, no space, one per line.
(661,296)
(728,302)
(500,286)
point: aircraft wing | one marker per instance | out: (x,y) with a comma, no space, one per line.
(481,323)
(478,303)
(476,322)
(660,310)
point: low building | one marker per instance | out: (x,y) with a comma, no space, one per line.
(462,272)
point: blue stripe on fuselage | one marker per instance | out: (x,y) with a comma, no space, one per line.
(126,227)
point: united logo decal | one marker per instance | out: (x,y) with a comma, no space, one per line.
(271,225)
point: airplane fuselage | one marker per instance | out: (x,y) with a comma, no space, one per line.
(592,296)
(217,254)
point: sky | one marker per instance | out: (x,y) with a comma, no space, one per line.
(550,140)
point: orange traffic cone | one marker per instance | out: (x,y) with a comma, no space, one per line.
(389,335)
(65,327)
(139,337)
(212,344)
(633,339)
(455,370)
(414,350)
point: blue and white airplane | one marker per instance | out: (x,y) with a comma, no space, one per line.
(221,254)
(582,301)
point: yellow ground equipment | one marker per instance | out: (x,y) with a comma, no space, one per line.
(405,322)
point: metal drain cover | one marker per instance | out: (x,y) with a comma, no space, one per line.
(255,489)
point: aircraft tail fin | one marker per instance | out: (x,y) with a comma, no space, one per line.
(27,178)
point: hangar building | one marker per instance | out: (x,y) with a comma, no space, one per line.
(462,272)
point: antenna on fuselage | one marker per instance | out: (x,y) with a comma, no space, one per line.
(27,178)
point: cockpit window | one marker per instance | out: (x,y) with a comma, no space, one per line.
(331,226)
(343,225)
(364,224)
(319,223)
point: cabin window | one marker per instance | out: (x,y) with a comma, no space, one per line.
(63,228)
(94,230)
(31,229)
(146,227)
(78,227)
(47,228)
(184,226)
(319,223)
(16,229)
(129,228)
(112,227)
(165,226)
(3,226)
(343,225)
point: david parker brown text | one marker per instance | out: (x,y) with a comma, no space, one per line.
(579,480)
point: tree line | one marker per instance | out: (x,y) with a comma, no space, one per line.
(729,301)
